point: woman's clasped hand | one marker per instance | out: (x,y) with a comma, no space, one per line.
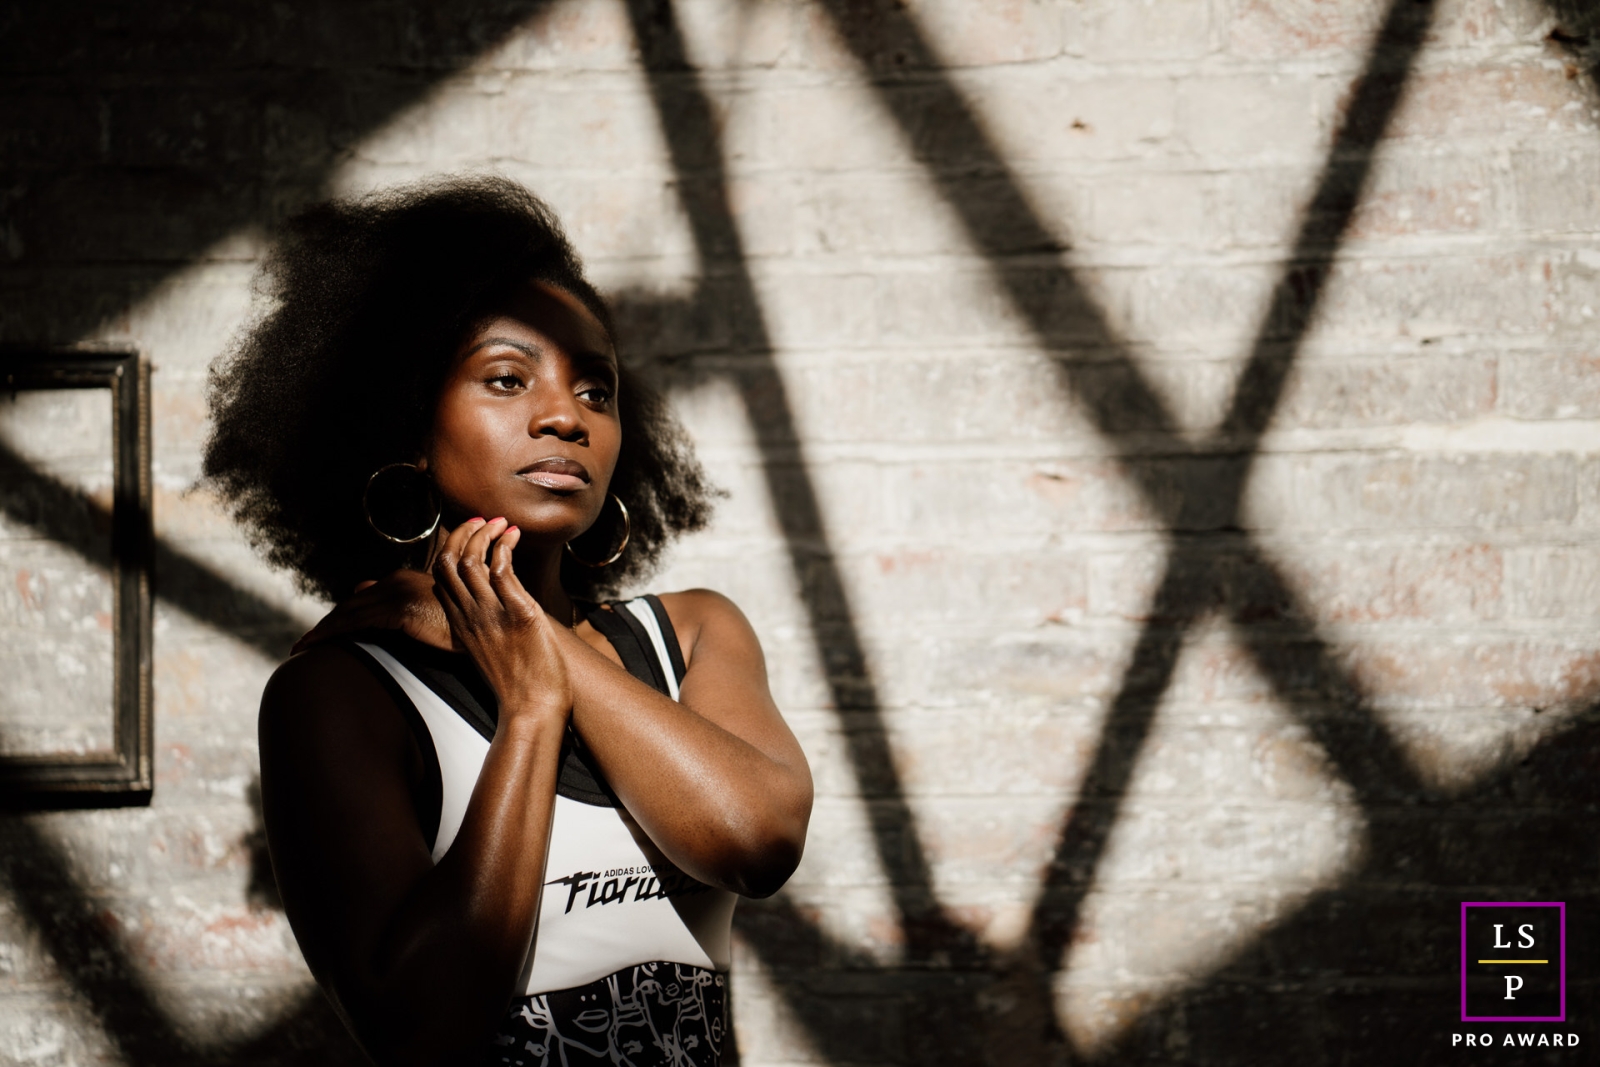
(495,621)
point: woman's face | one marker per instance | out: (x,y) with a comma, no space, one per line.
(527,423)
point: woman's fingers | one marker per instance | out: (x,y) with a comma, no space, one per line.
(454,617)
(446,565)
(473,565)
(503,577)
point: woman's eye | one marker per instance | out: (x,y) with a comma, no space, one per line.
(505,382)
(595,394)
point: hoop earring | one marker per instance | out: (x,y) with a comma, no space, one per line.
(393,491)
(627,528)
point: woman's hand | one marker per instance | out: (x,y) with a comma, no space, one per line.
(499,624)
(402,601)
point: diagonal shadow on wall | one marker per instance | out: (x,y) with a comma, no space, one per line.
(90,950)
(694,145)
(1366,972)
(65,515)
(1212,565)
(139,135)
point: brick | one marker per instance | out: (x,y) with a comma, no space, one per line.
(1350,392)
(1024,672)
(168,126)
(1474,746)
(52,590)
(1025,589)
(1006,397)
(655,325)
(41,1029)
(814,129)
(883,35)
(1151,30)
(1240,118)
(1420,491)
(1556,190)
(1161,209)
(1420,299)
(958,498)
(1453,195)
(1259,206)
(1303,29)
(1038,116)
(1366,582)
(767,1030)
(567,37)
(1198,304)
(1525,672)
(1512,101)
(49,672)
(1260,29)
(1012,31)
(1549,582)
(826,311)
(1283,849)
(1550,385)
(841,214)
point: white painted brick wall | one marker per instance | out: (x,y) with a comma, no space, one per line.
(1425,487)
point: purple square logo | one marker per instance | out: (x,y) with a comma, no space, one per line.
(1513,962)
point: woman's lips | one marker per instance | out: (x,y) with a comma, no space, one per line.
(561,475)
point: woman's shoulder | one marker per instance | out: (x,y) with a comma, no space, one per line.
(327,692)
(696,607)
(704,613)
(698,603)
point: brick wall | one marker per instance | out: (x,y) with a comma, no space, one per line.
(1160,438)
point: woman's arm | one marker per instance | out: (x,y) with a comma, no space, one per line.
(421,959)
(717,781)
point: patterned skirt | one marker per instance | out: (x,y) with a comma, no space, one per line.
(649,1015)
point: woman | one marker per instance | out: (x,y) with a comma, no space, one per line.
(432,427)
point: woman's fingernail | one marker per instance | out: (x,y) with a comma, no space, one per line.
(510,528)
(478,518)
(498,518)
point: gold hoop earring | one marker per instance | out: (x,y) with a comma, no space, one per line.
(627,528)
(404,499)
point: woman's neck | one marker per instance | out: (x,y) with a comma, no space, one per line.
(538,567)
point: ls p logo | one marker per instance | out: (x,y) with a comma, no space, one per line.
(1513,962)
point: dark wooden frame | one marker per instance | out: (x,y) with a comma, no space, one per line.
(58,780)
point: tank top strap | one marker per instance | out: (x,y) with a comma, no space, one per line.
(642,634)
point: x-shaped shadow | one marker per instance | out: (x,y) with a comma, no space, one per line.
(971,1006)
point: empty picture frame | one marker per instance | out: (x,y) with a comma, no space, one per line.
(75,549)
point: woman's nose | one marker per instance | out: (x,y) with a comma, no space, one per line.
(558,414)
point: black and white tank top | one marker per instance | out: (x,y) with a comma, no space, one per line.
(630,955)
